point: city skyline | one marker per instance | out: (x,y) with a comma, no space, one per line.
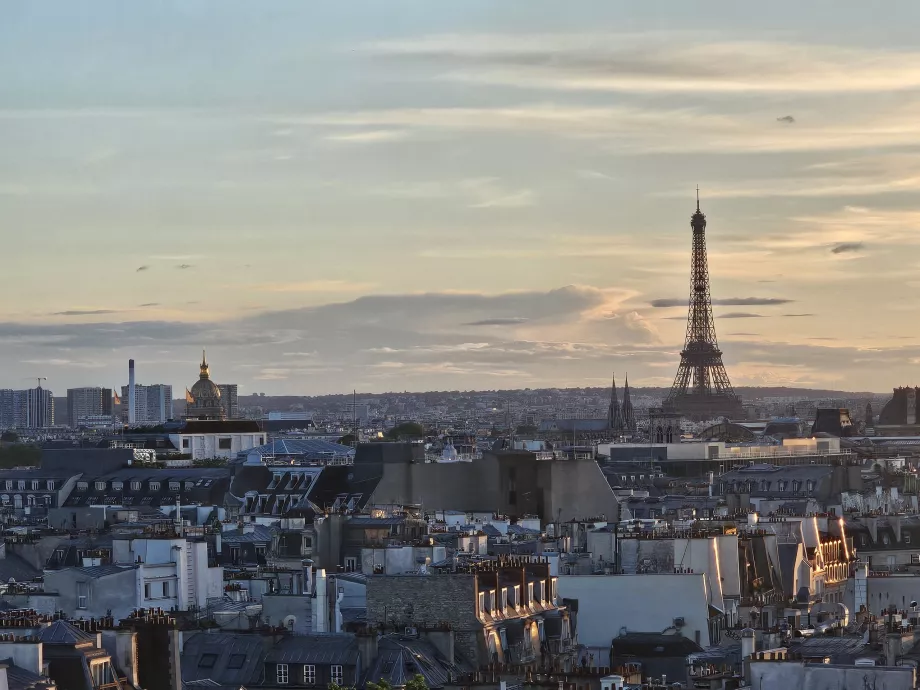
(474,197)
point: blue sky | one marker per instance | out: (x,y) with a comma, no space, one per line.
(416,195)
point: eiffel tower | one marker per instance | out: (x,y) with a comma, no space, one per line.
(701,389)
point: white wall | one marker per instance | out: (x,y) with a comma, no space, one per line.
(204,446)
(639,603)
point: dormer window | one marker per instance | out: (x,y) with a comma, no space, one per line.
(9,485)
(135,486)
(100,486)
(154,486)
(50,485)
(82,486)
(174,486)
(189,486)
(117,486)
(22,484)
(34,485)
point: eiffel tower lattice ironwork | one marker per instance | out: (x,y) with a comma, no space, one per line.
(701,389)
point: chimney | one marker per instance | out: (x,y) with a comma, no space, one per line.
(320,613)
(131,399)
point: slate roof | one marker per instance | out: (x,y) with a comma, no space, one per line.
(231,660)
(359,521)
(335,648)
(210,485)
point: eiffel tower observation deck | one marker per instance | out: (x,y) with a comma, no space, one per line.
(701,389)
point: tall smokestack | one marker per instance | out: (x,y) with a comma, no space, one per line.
(131,399)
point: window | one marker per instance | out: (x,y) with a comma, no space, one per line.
(234,554)
(260,552)
(135,486)
(186,443)
(22,484)
(100,486)
(9,485)
(47,500)
(49,485)
(906,537)
(236,661)
(34,485)
(517,597)
(338,677)
(208,660)
(225,443)
(82,486)
(189,486)
(482,602)
(154,486)
(117,486)
(82,595)
(174,486)
(166,590)
(30,499)
(281,674)
(351,564)
(147,590)
(530,593)
(309,675)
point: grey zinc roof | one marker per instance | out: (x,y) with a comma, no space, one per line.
(20,679)
(311,448)
(62,632)
(335,648)
(97,571)
(376,522)
(227,659)
(15,568)
(260,533)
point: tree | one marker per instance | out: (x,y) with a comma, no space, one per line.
(347,440)
(9,436)
(417,682)
(406,430)
(525,430)
(384,684)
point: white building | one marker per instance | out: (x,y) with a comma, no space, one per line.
(202,445)
(152,404)
(609,605)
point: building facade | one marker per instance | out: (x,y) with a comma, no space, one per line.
(229,400)
(152,404)
(87,403)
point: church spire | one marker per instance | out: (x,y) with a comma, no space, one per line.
(205,372)
(614,416)
(629,415)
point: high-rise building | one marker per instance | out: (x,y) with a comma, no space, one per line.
(229,400)
(152,404)
(87,402)
(33,408)
(7,409)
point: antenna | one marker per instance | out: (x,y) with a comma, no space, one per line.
(697,197)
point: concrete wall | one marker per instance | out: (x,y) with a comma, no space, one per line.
(115,593)
(727,546)
(277,607)
(608,604)
(460,486)
(399,560)
(578,490)
(794,675)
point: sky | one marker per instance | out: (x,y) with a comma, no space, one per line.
(407,195)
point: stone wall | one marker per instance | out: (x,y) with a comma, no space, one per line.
(424,600)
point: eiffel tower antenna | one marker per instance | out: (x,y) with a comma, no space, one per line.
(701,389)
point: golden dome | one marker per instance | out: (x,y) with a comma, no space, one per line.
(204,387)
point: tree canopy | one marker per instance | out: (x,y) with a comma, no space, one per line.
(406,430)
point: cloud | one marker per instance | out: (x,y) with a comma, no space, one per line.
(374,136)
(315,286)
(846,247)
(509,321)
(724,301)
(752,335)
(149,304)
(671,62)
(786,119)
(85,312)
(142,268)
(183,267)
(740,315)
(794,316)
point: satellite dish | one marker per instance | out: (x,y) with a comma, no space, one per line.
(290,622)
